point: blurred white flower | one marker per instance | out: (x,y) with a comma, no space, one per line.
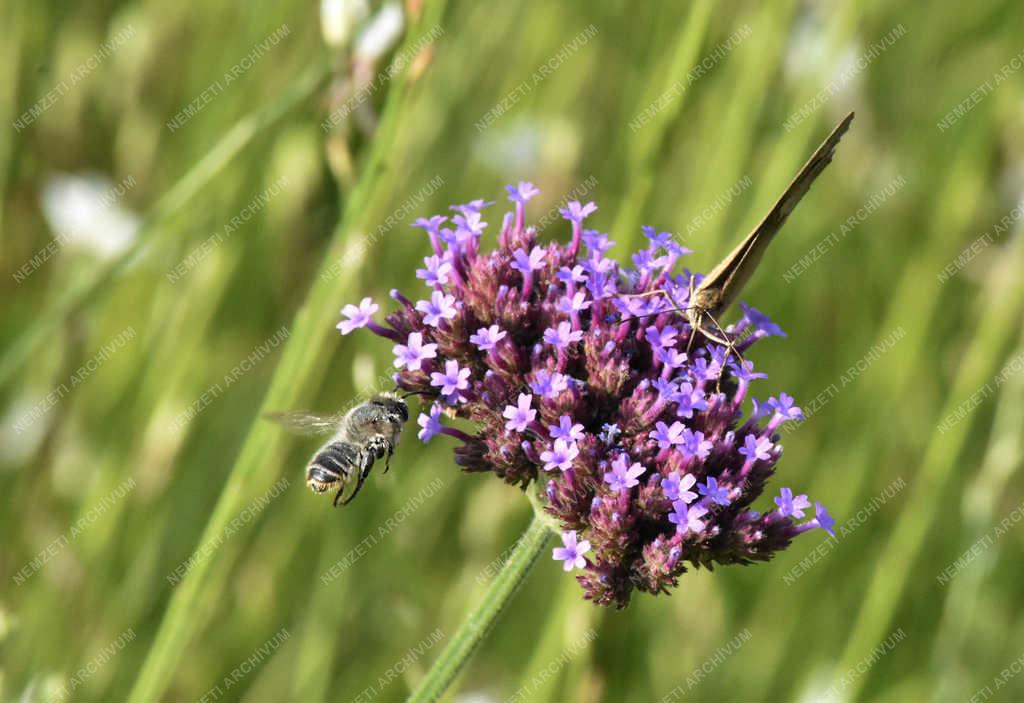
(82,211)
(339,19)
(548,146)
(810,57)
(807,51)
(476,697)
(381,34)
(22,428)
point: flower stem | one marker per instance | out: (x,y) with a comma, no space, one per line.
(473,630)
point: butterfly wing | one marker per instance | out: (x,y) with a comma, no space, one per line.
(720,287)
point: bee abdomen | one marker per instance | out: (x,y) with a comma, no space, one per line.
(331,465)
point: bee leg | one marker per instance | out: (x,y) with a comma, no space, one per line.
(358,484)
(379,448)
(338,495)
(364,471)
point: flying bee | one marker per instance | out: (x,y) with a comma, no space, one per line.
(364,434)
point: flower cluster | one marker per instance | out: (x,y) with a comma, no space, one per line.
(584,375)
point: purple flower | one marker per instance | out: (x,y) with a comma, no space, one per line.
(414,352)
(676,250)
(548,384)
(520,416)
(574,305)
(673,358)
(451,381)
(573,551)
(786,408)
(472,206)
(667,436)
(703,371)
(468,226)
(560,455)
(666,389)
(597,264)
(570,382)
(575,212)
(688,399)
(744,371)
(761,321)
(562,336)
(822,519)
(525,263)
(437,271)
(486,337)
(431,423)
(357,316)
(601,285)
(694,444)
(631,307)
(676,488)
(760,409)
(439,307)
(609,433)
(622,476)
(571,275)
(565,429)
(755,448)
(661,338)
(790,506)
(432,224)
(522,192)
(657,239)
(713,493)
(687,518)
(645,261)
(597,242)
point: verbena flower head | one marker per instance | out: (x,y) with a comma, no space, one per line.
(632,423)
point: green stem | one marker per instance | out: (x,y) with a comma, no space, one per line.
(473,630)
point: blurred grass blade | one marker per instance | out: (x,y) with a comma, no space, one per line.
(302,362)
(1001,315)
(79,296)
(648,141)
(982,498)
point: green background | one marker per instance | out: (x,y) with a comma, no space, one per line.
(801,629)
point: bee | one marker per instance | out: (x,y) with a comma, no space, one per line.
(364,434)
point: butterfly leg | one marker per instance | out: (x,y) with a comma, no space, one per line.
(648,294)
(728,343)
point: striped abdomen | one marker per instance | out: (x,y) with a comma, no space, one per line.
(331,465)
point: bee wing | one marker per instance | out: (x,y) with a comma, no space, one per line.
(304,422)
